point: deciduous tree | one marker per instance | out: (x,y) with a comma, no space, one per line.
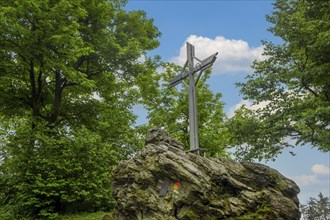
(292,84)
(69,75)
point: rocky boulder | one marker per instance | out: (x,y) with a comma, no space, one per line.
(162,181)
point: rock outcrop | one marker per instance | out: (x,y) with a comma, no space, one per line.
(162,181)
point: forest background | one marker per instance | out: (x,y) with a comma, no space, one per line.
(75,74)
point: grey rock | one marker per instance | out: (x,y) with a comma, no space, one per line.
(159,136)
(199,187)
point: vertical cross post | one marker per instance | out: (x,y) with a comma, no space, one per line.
(193,123)
(200,67)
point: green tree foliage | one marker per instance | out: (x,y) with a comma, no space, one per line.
(168,109)
(316,209)
(67,70)
(292,84)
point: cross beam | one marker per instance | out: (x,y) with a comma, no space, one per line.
(201,66)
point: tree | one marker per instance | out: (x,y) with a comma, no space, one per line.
(168,108)
(317,209)
(70,72)
(290,88)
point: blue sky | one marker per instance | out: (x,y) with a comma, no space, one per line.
(235,30)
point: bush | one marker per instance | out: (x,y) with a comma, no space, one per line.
(59,174)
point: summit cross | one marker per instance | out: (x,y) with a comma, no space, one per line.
(199,67)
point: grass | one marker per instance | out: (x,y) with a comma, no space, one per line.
(88,216)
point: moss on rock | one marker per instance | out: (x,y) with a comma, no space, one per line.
(209,188)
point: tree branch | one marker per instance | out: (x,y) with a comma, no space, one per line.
(40,83)
(34,100)
(305,85)
(59,86)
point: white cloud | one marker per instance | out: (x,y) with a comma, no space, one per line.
(248,104)
(317,178)
(141,59)
(320,169)
(231,111)
(305,180)
(234,55)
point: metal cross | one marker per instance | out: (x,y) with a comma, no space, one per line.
(201,66)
